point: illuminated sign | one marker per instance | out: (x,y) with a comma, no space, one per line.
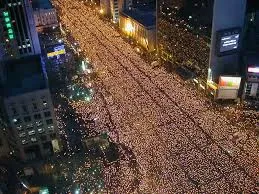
(58,50)
(227,82)
(55,53)
(253,69)
(44,190)
(228,41)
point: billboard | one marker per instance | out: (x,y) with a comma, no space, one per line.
(229,82)
(56,51)
(228,41)
(253,70)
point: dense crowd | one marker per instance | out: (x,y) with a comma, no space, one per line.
(179,142)
(185,47)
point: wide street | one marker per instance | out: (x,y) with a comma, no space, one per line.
(179,142)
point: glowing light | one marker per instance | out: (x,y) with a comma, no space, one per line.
(101,11)
(129,28)
(253,69)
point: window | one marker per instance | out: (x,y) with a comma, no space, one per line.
(40,130)
(27,119)
(34,105)
(47,114)
(51,128)
(17,121)
(24,141)
(33,139)
(29,126)
(49,121)
(23,134)
(24,108)
(44,102)
(43,138)
(39,123)
(37,116)
(32,132)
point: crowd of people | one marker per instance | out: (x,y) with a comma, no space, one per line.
(180,143)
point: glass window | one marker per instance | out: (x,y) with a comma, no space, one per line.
(47,114)
(27,119)
(23,134)
(24,141)
(44,102)
(34,106)
(32,132)
(37,116)
(49,121)
(39,123)
(19,127)
(51,128)
(41,130)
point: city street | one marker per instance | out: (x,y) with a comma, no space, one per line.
(174,141)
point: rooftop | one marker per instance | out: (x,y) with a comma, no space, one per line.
(23,75)
(146,18)
(41,4)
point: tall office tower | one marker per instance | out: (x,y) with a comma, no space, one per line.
(183,33)
(7,141)
(224,75)
(29,108)
(18,28)
(112,8)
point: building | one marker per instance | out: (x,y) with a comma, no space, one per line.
(29,108)
(140,26)
(226,43)
(18,34)
(251,89)
(45,15)
(7,142)
(251,48)
(111,8)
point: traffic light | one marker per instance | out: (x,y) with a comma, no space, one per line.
(8,25)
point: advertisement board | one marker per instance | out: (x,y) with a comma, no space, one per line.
(229,82)
(253,70)
(228,41)
(56,51)
(227,94)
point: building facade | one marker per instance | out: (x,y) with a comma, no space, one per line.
(29,108)
(17,25)
(139,26)
(45,18)
(32,119)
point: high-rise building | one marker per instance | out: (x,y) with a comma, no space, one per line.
(18,33)
(111,8)
(29,108)
(225,68)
